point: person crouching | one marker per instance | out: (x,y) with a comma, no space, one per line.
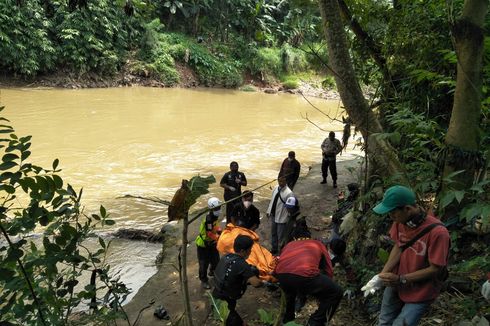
(304,268)
(232,275)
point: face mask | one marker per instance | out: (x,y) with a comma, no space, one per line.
(290,159)
(216,213)
(332,256)
(247,204)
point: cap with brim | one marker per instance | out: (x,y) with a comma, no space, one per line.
(396,196)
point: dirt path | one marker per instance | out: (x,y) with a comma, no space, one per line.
(317,202)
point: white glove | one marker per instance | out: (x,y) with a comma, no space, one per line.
(231,188)
(349,294)
(372,286)
(485,290)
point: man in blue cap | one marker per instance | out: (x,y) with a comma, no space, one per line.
(414,271)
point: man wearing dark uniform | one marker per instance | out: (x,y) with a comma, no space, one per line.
(232,182)
(245,214)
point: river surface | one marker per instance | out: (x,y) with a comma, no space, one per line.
(144,141)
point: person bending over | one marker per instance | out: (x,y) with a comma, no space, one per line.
(304,268)
(232,276)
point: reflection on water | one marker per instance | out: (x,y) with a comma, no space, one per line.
(143,141)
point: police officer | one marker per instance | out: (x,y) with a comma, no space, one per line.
(232,182)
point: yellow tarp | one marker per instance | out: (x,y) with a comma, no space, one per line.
(260,257)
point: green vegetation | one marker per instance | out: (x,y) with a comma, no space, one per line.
(40,280)
(425,123)
(157,39)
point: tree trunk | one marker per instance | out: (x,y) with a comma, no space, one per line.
(183,274)
(380,153)
(366,39)
(463,135)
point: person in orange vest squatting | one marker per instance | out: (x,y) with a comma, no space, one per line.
(207,253)
(232,275)
(417,262)
(304,268)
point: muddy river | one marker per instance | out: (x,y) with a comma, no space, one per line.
(143,141)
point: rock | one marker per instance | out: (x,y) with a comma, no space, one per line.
(135,234)
(270,91)
(169,228)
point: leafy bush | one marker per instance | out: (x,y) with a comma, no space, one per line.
(38,280)
(266,62)
(212,70)
(293,60)
(25,47)
(94,38)
(157,62)
(290,83)
(329,82)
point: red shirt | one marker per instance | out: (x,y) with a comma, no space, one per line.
(303,258)
(433,247)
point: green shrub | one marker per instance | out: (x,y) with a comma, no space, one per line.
(328,83)
(24,44)
(316,55)
(293,60)
(266,62)
(49,270)
(157,60)
(211,70)
(163,67)
(291,83)
(94,38)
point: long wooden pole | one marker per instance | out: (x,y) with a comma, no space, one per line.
(183,273)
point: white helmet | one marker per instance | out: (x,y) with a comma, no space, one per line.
(213,202)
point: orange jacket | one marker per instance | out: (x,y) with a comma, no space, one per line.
(260,257)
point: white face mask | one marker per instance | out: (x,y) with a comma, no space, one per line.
(290,159)
(216,213)
(332,256)
(247,203)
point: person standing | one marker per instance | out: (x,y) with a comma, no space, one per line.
(245,214)
(232,275)
(304,268)
(278,213)
(330,148)
(290,169)
(232,182)
(207,253)
(417,262)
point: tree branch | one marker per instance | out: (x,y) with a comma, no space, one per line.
(316,108)
(26,277)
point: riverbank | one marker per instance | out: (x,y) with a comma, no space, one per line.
(309,86)
(317,202)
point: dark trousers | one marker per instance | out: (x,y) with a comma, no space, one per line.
(324,289)
(329,163)
(207,256)
(229,209)
(234,318)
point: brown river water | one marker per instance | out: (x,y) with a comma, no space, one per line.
(143,141)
